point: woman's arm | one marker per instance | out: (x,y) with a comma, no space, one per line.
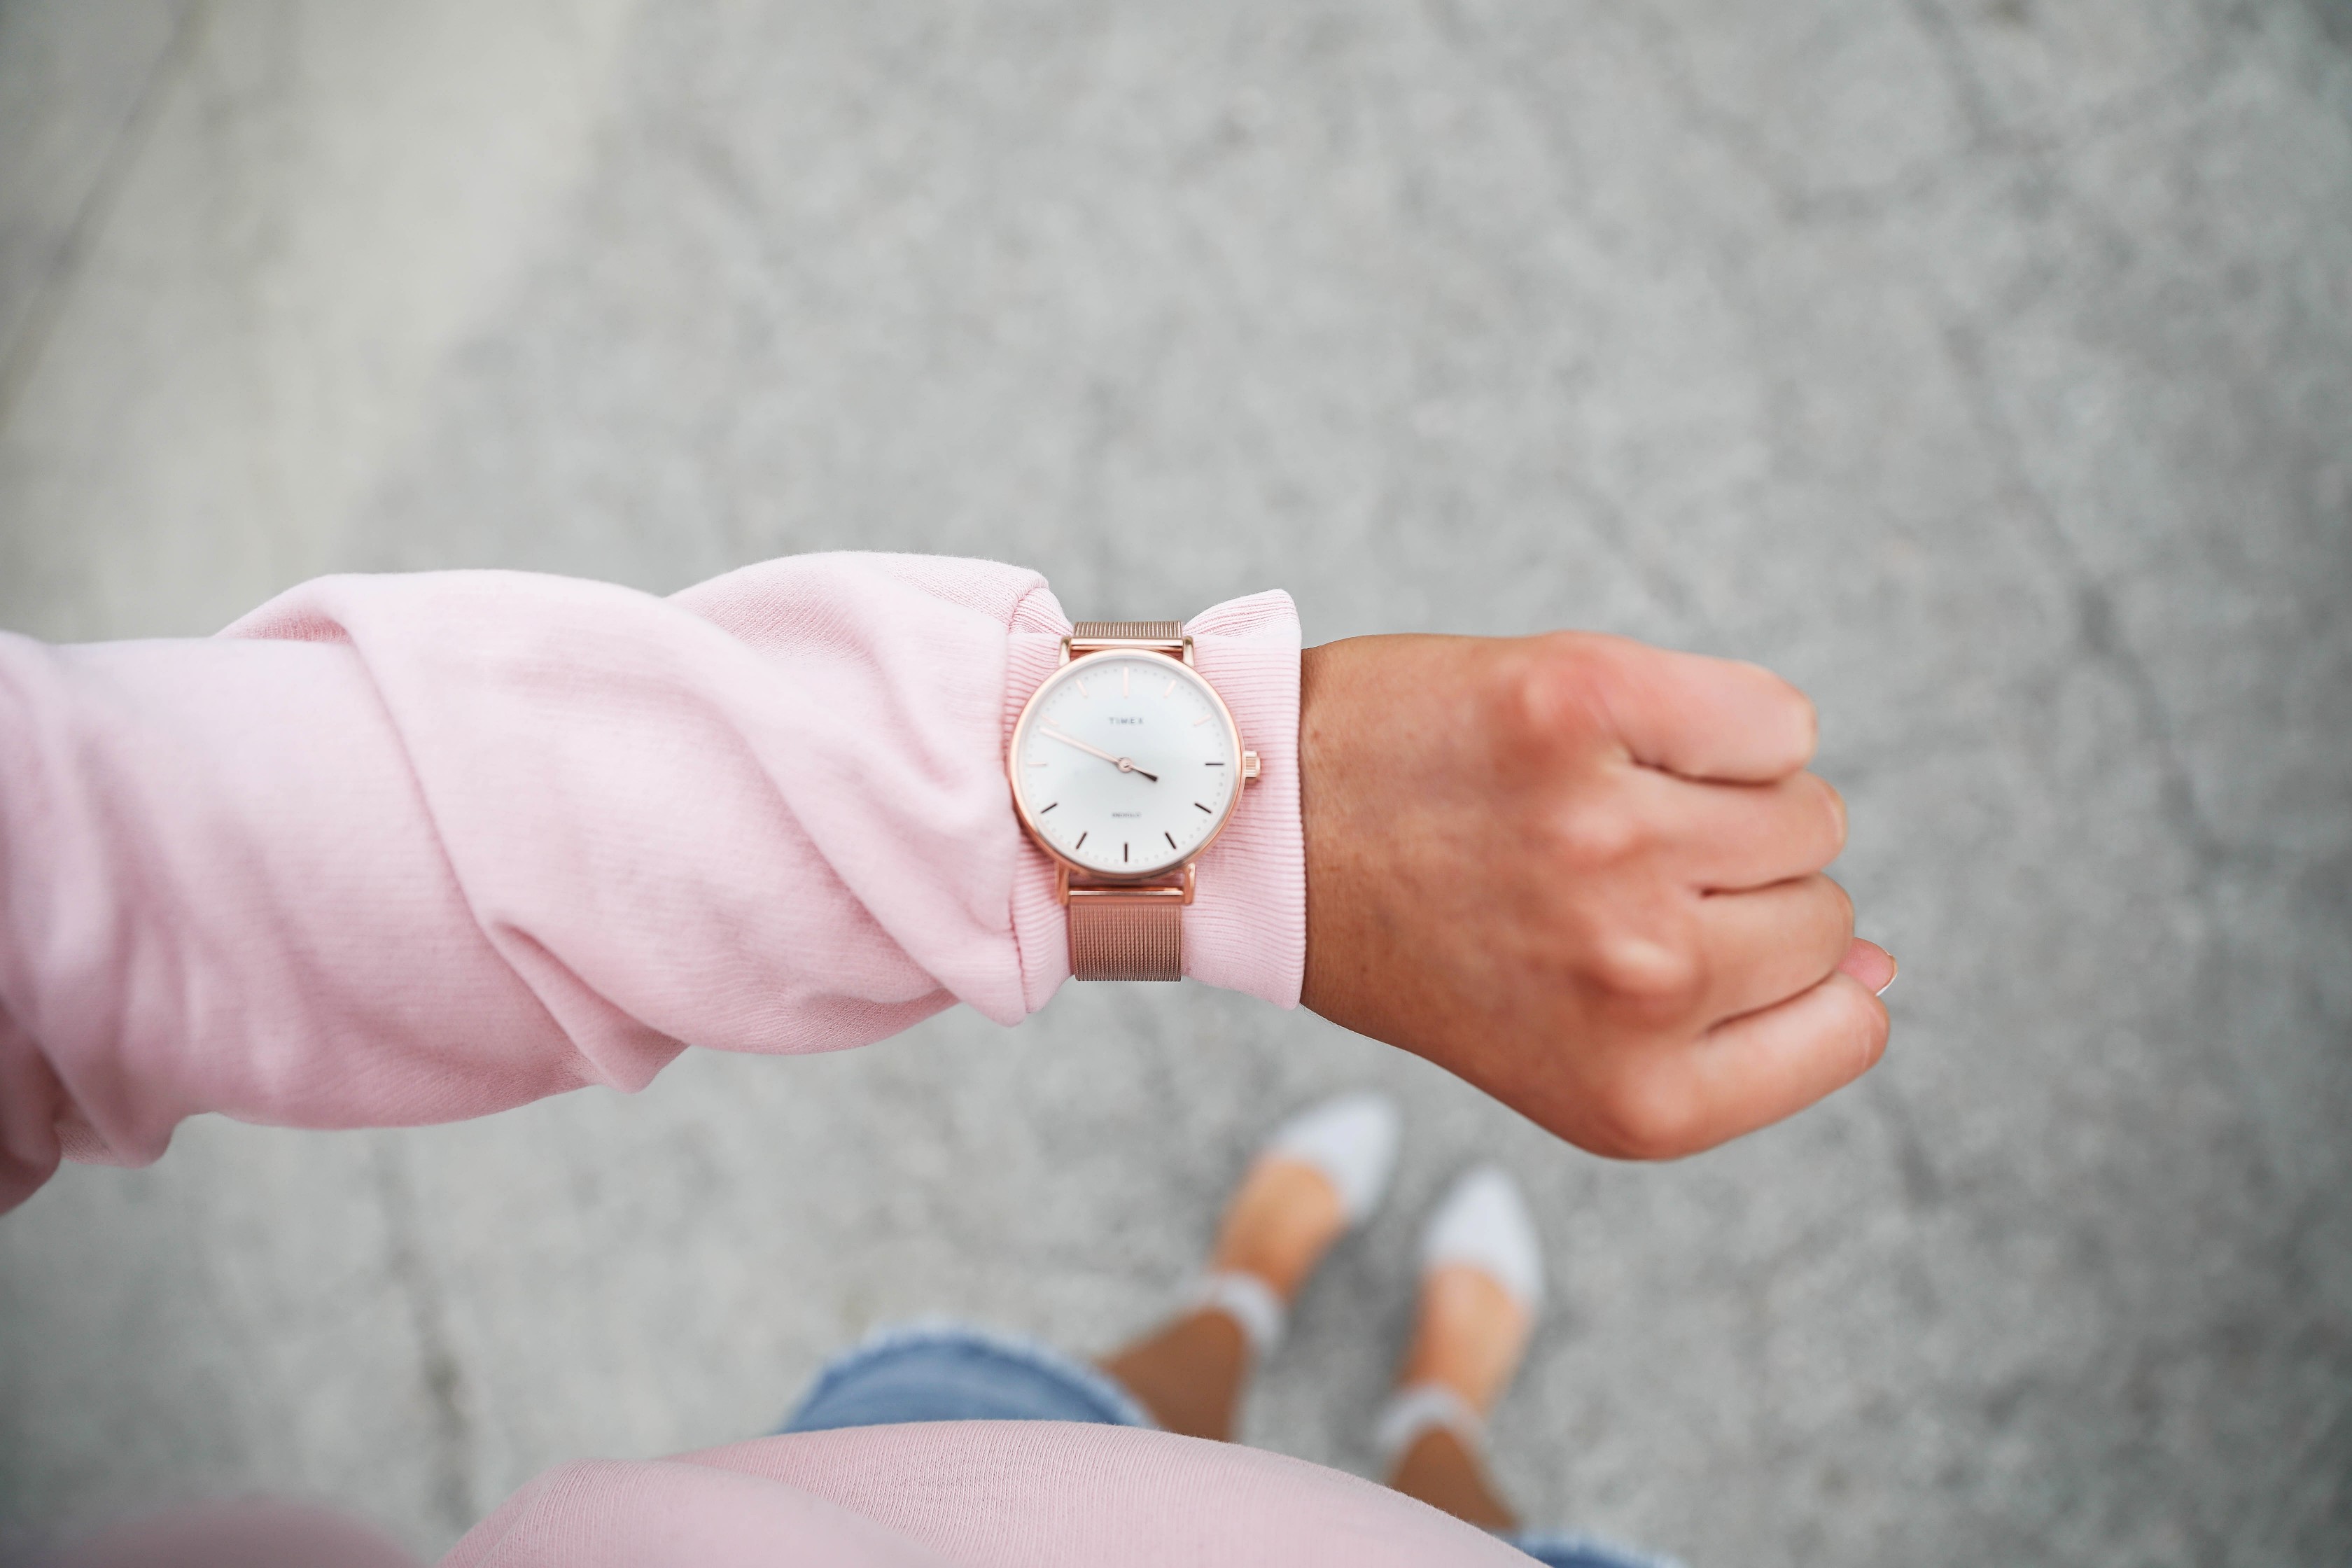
(413,848)
(403,849)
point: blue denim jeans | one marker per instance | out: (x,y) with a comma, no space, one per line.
(951,1372)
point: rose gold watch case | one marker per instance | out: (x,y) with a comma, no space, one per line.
(1172,879)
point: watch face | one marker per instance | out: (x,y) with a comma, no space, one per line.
(1126,763)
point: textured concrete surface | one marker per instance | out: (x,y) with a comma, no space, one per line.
(1984,364)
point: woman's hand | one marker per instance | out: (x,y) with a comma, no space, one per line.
(1585,875)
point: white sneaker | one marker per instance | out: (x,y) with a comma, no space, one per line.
(1483,1221)
(1350,1137)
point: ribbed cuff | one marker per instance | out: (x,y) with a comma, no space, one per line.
(1246,928)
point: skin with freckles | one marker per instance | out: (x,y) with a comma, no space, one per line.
(1585,875)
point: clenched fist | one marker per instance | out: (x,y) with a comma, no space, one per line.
(1586,876)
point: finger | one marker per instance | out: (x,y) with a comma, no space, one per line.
(1870,964)
(1725,838)
(1702,718)
(1755,1070)
(1769,944)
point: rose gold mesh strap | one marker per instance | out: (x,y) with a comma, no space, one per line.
(1118,935)
(1125,938)
(1128,631)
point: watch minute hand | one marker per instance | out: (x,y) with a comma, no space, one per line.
(1125,765)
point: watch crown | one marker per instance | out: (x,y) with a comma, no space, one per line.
(1249,767)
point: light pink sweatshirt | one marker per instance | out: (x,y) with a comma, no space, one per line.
(406,849)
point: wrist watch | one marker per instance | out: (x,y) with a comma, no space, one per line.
(1125,765)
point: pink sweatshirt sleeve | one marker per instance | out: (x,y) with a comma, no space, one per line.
(413,848)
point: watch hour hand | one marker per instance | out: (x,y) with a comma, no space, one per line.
(1124,764)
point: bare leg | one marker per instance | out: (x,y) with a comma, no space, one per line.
(1444,1472)
(1469,1338)
(1190,1372)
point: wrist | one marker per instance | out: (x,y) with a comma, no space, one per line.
(1387,730)
(1330,727)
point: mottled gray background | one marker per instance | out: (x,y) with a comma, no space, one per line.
(1986,365)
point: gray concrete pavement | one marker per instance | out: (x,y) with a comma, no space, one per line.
(1986,365)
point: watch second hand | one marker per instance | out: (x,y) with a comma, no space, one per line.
(1125,764)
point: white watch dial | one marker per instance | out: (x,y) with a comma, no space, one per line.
(1126,763)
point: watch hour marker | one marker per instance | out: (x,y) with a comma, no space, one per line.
(1123,673)
(1081,685)
(1204,808)
(1081,844)
(1204,764)
(1170,836)
(1198,722)
(1171,685)
(1122,853)
(1044,809)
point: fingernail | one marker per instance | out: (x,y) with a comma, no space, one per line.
(1890,979)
